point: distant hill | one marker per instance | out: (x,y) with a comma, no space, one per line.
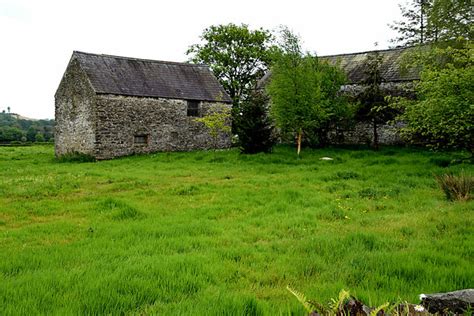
(21,117)
(17,128)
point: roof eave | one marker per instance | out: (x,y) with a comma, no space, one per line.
(162,97)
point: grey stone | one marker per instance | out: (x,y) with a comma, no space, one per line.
(362,134)
(106,126)
(450,302)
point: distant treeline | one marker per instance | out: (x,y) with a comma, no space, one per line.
(13,128)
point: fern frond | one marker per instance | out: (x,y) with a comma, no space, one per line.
(315,306)
(337,305)
(398,308)
(301,298)
(378,309)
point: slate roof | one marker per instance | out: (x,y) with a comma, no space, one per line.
(150,78)
(353,65)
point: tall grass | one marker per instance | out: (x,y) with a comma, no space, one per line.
(223,233)
(457,187)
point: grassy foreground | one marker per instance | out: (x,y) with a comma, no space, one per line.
(222,233)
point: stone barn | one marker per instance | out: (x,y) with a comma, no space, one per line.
(396,81)
(109,106)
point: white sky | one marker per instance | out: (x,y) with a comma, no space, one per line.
(37,37)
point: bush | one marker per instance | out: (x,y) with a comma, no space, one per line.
(442,115)
(456,187)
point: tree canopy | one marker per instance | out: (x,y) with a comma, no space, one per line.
(443,114)
(450,20)
(238,57)
(14,128)
(303,90)
(412,28)
(217,122)
(433,21)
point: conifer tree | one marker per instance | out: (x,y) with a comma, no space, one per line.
(450,20)
(412,29)
(373,107)
(433,21)
(255,127)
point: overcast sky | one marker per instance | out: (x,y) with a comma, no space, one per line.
(38,36)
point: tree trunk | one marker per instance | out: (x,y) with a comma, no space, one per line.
(300,135)
(376,136)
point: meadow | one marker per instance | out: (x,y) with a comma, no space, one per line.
(220,233)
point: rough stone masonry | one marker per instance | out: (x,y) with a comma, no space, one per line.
(110,106)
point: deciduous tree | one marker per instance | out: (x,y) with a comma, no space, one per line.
(443,114)
(217,122)
(10,134)
(303,90)
(237,56)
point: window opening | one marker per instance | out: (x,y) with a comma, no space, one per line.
(193,108)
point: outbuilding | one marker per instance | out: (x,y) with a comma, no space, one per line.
(110,106)
(397,81)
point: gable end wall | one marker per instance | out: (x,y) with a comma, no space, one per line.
(74,113)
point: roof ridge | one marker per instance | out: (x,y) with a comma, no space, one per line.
(142,59)
(369,51)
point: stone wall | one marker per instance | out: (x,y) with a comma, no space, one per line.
(74,113)
(362,134)
(160,125)
(395,89)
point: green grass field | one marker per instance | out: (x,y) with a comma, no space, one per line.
(206,233)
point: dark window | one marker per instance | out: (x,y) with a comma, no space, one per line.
(193,108)
(141,139)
